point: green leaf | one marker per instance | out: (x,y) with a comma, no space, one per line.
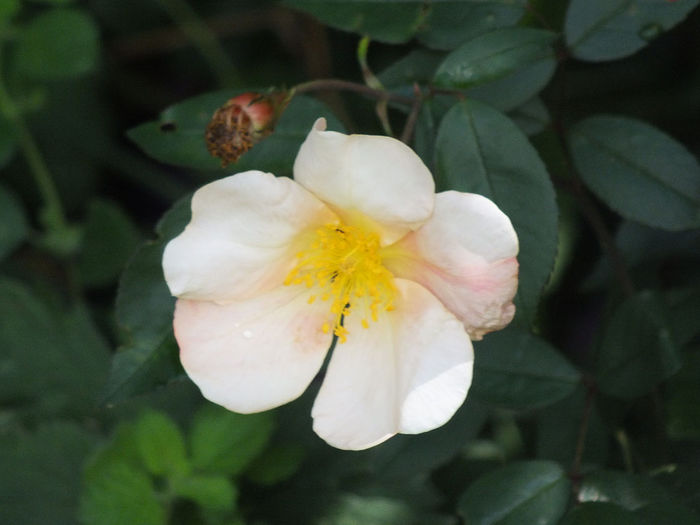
(638,171)
(522,492)
(504,68)
(41,474)
(532,117)
(58,44)
(417,66)
(8,143)
(210,492)
(629,491)
(144,312)
(598,30)
(119,494)
(637,350)
(223,442)
(353,509)
(54,361)
(109,239)
(518,370)
(177,137)
(161,445)
(479,150)
(599,513)
(13,223)
(450,23)
(391,22)
(494,55)
(277,464)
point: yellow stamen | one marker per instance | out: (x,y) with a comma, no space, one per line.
(344,264)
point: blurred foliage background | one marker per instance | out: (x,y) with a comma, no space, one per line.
(584,411)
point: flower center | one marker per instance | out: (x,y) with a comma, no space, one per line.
(343,263)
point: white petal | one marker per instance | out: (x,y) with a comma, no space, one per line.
(466,255)
(256,354)
(373,177)
(408,372)
(241,239)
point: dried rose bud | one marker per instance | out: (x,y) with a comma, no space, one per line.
(243,122)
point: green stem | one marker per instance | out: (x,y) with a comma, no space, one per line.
(52,215)
(330,84)
(202,37)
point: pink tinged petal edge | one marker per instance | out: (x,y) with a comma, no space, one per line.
(253,355)
(379,179)
(241,239)
(407,373)
(466,255)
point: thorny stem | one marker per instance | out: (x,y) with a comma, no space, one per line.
(203,38)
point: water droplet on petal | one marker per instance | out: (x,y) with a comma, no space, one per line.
(247,334)
(650,31)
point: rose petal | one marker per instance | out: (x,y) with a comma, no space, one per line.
(256,354)
(377,181)
(241,239)
(408,372)
(465,255)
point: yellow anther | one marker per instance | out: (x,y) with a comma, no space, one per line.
(343,263)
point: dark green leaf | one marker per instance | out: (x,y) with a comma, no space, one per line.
(504,68)
(449,23)
(145,313)
(629,491)
(52,361)
(494,55)
(58,44)
(161,445)
(223,442)
(418,66)
(525,492)
(119,494)
(518,370)
(479,150)
(8,9)
(210,492)
(41,473)
(109,239)
(637,349)
(351,509)
(599,513)
(598,30)
(532,117)
(13,224)
(177,137)
(392,22)
(637,170)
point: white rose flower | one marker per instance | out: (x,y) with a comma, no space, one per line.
(357,246)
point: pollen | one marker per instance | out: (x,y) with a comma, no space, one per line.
(344,267)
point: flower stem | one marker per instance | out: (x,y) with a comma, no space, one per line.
(329,84)
(52,216)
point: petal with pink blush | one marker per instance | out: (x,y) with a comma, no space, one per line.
(407,373)
(255,354)
(241,239)
(466,255)
(378,182)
